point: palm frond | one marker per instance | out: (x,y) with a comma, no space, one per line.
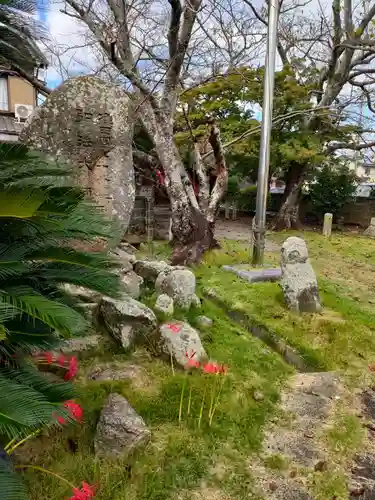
(22,408)
(11,485)
(56,315)
(54,392)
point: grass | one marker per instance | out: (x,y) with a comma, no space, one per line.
(343,337)
(180,457)
(211,462)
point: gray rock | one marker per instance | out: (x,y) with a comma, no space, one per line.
(80,344)
(149,269)
(116,372)
(125,259)
(196,301)
(82,293)
(179,284)
(132,284)
(164,304)
(180,340)
(204,321)
(128,321)
(298,280)
(89,310)
(128,248)
(370,231)
(120,429)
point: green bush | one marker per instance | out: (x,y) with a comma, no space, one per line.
(44,218)
(247,199)
(332,188)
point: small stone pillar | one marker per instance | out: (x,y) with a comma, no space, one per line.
(327,225)
(370,231)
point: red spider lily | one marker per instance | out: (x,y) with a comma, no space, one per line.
(216,368)
(61,360)
(211,367)
(74,409)
(191,363)
(61,420)
(48,356)
(174,328)
(87,492)
(73,368)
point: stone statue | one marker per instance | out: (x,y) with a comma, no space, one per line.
(298,280)
(85,122)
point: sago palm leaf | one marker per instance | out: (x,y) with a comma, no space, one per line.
(51,312)
(42,219)
(54,392)
(19,32)
(23,409)
(11,484)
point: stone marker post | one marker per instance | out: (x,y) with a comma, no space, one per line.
(327,225)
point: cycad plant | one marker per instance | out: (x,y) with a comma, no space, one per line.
(44,220)
(19,32)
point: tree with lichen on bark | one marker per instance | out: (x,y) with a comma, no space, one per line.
(330,52)
(192,216)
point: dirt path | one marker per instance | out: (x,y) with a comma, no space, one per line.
(240,230)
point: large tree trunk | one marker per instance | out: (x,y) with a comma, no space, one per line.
(192,224)
(288,215)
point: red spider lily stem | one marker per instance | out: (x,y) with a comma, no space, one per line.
(216,404)
(182,399)
(10,449)
(202,406)
(189,402)
(213,399)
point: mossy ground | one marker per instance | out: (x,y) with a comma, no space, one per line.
(212,462)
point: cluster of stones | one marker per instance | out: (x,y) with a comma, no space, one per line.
(131,323)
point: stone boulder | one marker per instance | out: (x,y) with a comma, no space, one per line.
(180,340)
(111,372)
(81,293)
(370,231)
(196,301)
(164,304)
(150,269)
(87,123)
(298,280)
(130,322)
(125,260)
(120,429)
(179,284)
(131,283)
(80,344)
(204,321)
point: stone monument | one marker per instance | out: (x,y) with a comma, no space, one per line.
(298,280)
(87,123)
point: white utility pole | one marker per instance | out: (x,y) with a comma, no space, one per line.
(259,228)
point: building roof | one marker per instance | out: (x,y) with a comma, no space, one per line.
(9,125)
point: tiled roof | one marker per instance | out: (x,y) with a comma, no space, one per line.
(9,125)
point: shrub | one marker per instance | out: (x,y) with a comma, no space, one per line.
(44,220)
(332,188)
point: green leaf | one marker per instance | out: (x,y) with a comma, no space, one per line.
(11,484)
